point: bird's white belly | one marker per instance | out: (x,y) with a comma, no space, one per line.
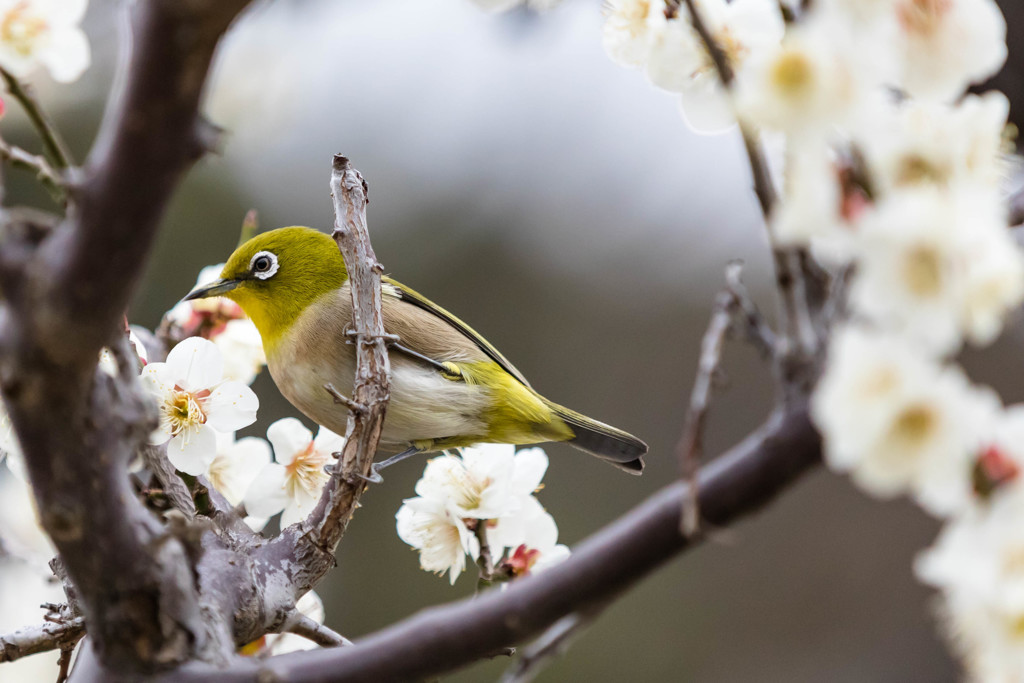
(424,405)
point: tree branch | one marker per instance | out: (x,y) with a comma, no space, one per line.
(50,635)
(604,566)
(55,148)
(52,180)
(301,625)
(79,427)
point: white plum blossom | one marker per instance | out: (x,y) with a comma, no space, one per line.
(434,527)
(911,144)
(487,481)
(486,492)
(978,563)
(745,30)
(812,197)
(237,464)
(293,483)
(946,45)
(899,423)
(915,253)
(994,285)
(242,347)
(195,402)
(530,537)
(44,33)
(803,88)
(629,30)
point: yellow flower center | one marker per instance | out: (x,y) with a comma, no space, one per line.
(20,29)
(306,472)
(183,411)
(914,426)
(792,74)
(915,169)
(923,270)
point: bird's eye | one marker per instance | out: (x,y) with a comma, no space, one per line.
(263,265)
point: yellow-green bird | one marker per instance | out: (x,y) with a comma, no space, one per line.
(449,386)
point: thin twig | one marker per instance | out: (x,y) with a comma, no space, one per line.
(64,663)
(50,635)
(55,148)
(343,400)
(52,180)
(757,329)
(690,447)
(301,625)
(794,316)
(484,561)
(551,644)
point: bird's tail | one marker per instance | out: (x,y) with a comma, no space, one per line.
(619,448)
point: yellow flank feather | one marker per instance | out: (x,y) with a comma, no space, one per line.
(449,386)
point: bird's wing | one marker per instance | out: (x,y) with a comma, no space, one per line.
(408,296)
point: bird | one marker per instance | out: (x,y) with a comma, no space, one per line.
(450,387)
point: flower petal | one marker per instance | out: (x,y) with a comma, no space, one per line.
(267,495)
(231,406)
(67,55)
(195,364)
(193,453)
(289,438)
(327,441)
(530,466)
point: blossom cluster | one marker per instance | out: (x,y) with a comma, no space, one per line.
(893,179)
(482,496)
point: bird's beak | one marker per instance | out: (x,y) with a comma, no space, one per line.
(215,288)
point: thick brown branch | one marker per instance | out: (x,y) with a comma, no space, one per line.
(604,566)
(47,636)
(79,427)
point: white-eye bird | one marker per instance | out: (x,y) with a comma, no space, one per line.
(449,386)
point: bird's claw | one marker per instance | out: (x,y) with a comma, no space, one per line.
(374,476)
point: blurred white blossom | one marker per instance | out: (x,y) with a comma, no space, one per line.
(629,30)
(803,88)
(745,30)
(898,422)
(913,144)
(978,563)
(947,45)
(917,251)
(195,402)
(293,483)
(45,33)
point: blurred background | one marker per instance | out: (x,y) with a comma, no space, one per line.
(558,204)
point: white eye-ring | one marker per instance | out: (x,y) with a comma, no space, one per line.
(263,264)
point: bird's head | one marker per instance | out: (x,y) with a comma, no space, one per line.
(276,275)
